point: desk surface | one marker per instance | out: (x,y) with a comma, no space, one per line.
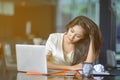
(24,76)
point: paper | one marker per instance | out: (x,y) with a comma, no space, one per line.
(100,73)
(99,68)
(96,73)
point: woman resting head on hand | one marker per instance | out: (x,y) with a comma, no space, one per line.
(80,43)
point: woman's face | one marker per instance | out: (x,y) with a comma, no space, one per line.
(75,33)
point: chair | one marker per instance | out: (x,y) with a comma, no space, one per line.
(111,60)
(10,61)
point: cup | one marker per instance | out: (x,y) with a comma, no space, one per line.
(37,41)
(87,69)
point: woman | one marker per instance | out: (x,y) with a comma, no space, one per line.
(80,43)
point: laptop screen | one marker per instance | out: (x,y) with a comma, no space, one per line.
(31,58)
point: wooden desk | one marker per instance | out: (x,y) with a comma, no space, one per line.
(24,76)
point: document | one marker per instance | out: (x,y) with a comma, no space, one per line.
(100,73)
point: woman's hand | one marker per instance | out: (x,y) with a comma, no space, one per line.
(76,67)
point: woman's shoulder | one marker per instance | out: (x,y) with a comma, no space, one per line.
(55,38)
(55,35)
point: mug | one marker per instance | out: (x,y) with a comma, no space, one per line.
(87,69)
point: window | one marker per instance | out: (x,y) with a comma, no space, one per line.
(7,8)
(118,30)
(69,9)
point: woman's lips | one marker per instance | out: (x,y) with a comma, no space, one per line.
(70,39)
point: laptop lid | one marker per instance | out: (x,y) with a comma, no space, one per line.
(31,58)
(24,76)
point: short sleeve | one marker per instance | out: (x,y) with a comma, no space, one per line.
(50,47)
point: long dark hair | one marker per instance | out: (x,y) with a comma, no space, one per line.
(82,46)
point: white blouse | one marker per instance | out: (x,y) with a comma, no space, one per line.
(54,46)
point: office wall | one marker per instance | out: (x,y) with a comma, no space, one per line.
(41,18)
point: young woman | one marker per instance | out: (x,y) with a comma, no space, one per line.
(80,43)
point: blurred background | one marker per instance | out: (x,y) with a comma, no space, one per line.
(31,22)
(21,18)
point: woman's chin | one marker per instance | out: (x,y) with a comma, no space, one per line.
(70,41)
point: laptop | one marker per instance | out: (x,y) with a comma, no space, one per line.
(23,76)
(31,58)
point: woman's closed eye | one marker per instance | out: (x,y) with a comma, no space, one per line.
(78,36)
(72,31)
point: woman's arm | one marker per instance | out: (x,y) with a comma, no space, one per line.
(90,57)
(51,65)
(91,52)
(54,66)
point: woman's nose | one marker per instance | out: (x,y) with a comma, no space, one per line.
(72,36)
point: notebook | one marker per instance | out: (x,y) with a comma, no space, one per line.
(31,58)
